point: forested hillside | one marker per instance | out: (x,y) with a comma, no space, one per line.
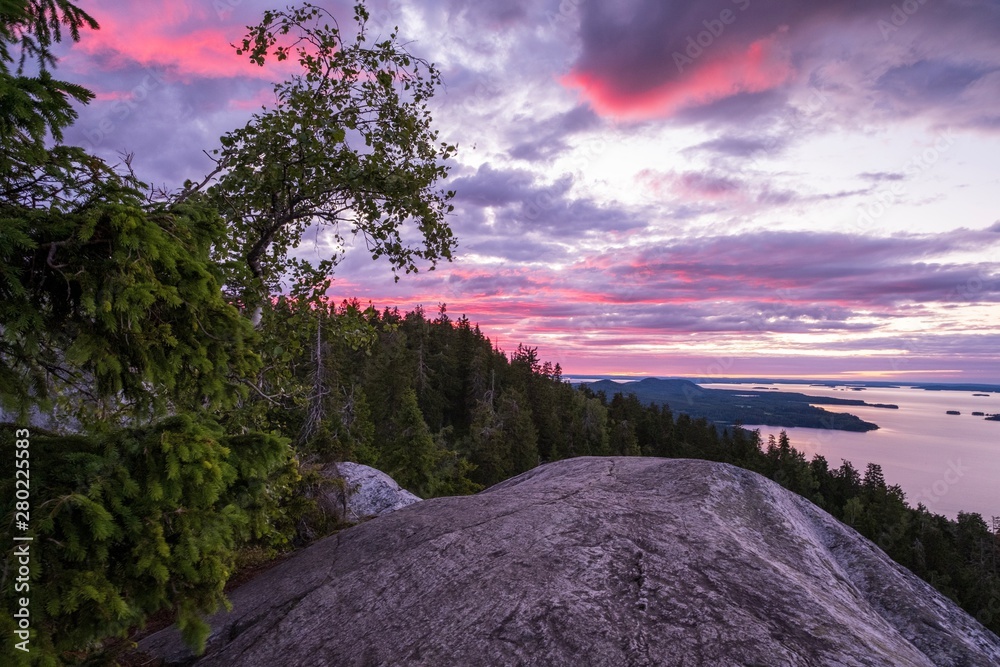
(727,407)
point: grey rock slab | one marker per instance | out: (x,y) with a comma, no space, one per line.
(366,493)
(596,561)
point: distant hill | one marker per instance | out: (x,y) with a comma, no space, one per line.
(744,406)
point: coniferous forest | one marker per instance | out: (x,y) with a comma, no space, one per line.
(173,378)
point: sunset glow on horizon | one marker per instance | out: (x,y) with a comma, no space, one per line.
(731,188)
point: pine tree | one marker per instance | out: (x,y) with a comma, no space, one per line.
(517,429)
(487,447)
(410,456)
(103,295)
(874,480)
(136,521)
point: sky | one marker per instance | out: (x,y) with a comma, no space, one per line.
(644,187)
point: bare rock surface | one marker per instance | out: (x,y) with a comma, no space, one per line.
(366,493)
(596,561)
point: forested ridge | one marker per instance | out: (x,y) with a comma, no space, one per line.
(174,378)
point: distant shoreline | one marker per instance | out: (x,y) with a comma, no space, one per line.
(814,382)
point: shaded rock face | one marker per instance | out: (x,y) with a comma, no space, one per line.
(366,493)
(596,561)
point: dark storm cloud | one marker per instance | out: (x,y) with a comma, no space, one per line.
(962,92)
(633,42)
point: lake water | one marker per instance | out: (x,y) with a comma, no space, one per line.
(947,462)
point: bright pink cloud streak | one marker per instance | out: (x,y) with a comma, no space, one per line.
(536,296)
(167,35)
(761,66)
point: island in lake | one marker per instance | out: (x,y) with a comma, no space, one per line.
(726,407)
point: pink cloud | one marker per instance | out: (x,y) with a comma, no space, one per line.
(763,65)
(189,39)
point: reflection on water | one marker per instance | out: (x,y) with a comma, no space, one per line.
(947,462)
